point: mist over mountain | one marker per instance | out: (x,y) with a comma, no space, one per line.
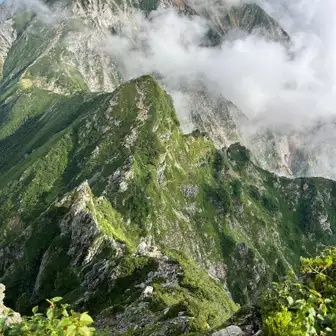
(163,161)
(283,85)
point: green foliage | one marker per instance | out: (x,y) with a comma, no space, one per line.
(197,295)
(240,154)
(57,320)
(303,305)
(221,198)
(254,192)
(270,203)
(218,162)
(309,205)
(236,188)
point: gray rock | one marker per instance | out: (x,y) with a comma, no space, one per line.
(147,248)
(229,331)
(242,249)
(148,291)
(10,316)
(190,191)
(2,292)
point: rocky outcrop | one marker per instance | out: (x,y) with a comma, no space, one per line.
(104,200)
(7,314)
(7,37)
(216,116)
(248,320)
(249,18)
(229,331)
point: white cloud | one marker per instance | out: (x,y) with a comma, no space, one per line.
(49,15)
(214,6)
(284,90)
(257,75)
(273,86)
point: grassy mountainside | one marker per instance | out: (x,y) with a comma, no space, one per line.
(243,224)
(105,201)
(73,245)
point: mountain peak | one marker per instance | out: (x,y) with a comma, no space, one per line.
(106,202)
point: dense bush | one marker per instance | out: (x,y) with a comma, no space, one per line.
(303,305)
(270,203)
(254,192)
(240,154)
(58,321)
(221,198)
(236,188)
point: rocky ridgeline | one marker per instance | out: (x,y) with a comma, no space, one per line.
(105,202)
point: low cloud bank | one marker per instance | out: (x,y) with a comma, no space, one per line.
(283,88)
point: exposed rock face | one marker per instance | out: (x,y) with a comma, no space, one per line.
(147,248)
(9,315)
(7,36)
(105,201)
(229,331)
(248,318)
(306,152)
(138,315)
(72,42)
(248,18)
(216,116)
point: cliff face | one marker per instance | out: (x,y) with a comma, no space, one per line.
(249,17)
(6,314)
(106,202)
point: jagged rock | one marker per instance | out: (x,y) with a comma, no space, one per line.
(190,191)
(66,155)
(248,318)
(242,249)
(148,291)
(9,315)
(146,248)
(7,37)
(229,331)
(218,271)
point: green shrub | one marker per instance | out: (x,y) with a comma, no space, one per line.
(240,154)
(218,161)
(270,203)
(254,192)
(58,320)
(236,188)
(221,198)
(303,305)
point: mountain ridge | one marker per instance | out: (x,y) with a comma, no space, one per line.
(106,202)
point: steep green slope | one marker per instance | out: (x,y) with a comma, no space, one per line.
(104,201)
(112,138)
(63,55)
(243,224)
